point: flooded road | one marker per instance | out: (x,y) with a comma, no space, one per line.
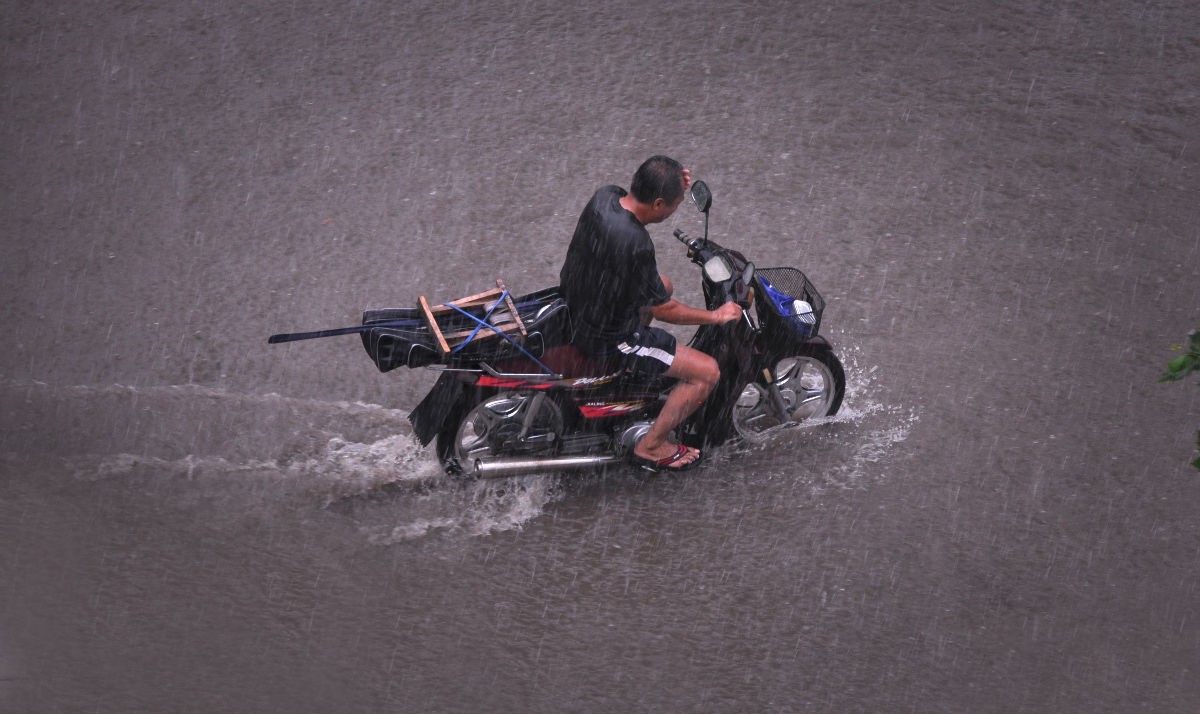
(996,200)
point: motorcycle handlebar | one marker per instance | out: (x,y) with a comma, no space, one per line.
(698,248)
(683,238)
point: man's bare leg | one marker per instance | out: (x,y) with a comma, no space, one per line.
(697,374)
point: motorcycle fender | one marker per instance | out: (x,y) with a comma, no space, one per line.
(820,343)
(787,346)
(437,406)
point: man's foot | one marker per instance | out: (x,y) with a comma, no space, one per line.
(682,459)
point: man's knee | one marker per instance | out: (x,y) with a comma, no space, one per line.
(697,368)
(667,284)
(711,373)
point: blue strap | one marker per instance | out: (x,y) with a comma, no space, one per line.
(480,324)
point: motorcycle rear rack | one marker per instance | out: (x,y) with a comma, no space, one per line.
(528,377)
(535,377)
(485,368)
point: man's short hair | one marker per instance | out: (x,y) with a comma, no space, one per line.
(658,177)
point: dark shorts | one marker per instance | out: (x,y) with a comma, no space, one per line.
(650,350)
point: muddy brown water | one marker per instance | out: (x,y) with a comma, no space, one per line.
(998,201)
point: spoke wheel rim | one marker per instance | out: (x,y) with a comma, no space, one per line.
(502,417)
(807,387)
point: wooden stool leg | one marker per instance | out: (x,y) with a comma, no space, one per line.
(433,326)
(512,307)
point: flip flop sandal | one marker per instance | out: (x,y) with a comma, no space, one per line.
(665,463)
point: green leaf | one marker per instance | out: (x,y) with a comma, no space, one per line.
(1186,363)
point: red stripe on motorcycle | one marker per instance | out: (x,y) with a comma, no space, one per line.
(508,383)
(599,411)
(486,381)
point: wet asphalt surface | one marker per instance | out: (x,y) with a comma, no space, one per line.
(998,201)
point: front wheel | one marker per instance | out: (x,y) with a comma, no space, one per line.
(811,384)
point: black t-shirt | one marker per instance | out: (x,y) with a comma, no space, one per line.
(609,273)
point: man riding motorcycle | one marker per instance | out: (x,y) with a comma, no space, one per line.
(612,286)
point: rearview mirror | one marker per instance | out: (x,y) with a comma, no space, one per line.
(701,196)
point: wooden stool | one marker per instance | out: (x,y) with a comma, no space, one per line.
(487,300)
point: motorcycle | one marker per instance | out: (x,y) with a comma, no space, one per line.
(529,403)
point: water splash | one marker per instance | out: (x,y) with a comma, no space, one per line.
(478,508)
(362,460)
(883,426)
(861,437)
(340,457)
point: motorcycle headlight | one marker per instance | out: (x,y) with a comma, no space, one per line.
(718,269)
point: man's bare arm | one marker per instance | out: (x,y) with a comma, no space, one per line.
(676,313)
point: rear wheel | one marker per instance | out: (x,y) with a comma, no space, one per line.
(811,385)
(500,425)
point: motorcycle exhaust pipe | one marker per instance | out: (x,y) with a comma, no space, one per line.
(499,468)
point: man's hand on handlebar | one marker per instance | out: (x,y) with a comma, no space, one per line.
(728,312)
